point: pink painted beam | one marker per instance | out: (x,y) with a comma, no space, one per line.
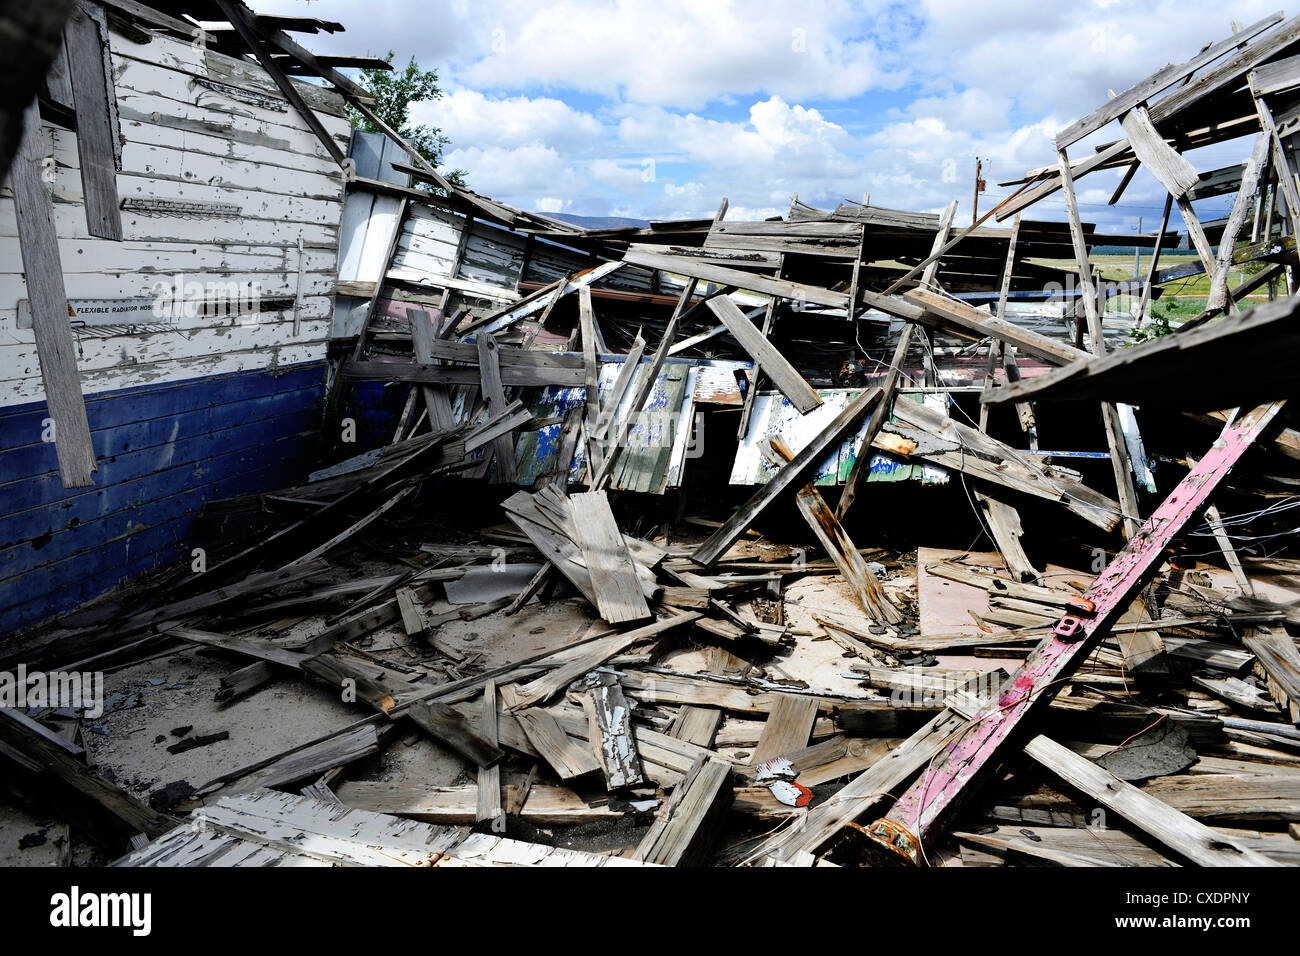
(923,812)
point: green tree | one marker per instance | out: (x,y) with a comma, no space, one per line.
(394,92)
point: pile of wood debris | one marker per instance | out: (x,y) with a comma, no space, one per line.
(793,699)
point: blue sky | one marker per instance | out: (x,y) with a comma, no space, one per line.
(659,109)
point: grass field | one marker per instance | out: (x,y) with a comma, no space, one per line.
(1181,300)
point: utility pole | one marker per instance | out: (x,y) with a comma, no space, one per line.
(979,188)
(1137,254)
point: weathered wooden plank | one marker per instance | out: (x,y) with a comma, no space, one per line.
(617,586)
(127,812)
(567,757)
(1171,827)
(1279,659)
(609,719)
(1236,219)
(556,547)
(1276,77)
(305,763)
(784,375)
(685,831)
(43,272)
(508,357)
(837,543)
(436,399)
(303,831)
(1283,165)
(652,258)
(503,447)
(456,806)
(807,458)
(1004,523)
(697,725)
(406,371)
(591,376)
(383,690)
(1260,340)
(1160,159)
(1141,652)
(661,688)
(959,318)
(96,148)
(1235,691)
(488,802)
(1121,465)
(590,657)
(788,727)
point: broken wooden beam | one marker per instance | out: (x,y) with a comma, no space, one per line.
(687,826)
(1169,826)
(784,376)
(1261,340)
(797,469)
(68,428)
(503,447)
(837,543)
(614,577)
(966,321)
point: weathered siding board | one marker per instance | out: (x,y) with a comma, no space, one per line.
(145,348)
(190,139)
(60,587)
(207,406)
(154,260)
(213,67)
(427,246)
(154,495)
(493,256)
(169,370)
(164,433)
(369,218)
(165,450)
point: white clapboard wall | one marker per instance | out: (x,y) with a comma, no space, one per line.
(493,262)
(190,137)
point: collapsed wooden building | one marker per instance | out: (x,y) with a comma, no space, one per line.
(284,404)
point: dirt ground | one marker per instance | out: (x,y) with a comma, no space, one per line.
(156,703)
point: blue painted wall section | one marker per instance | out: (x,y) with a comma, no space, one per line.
(375,407)
(163,451)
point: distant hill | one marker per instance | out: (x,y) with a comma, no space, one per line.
(601,222)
